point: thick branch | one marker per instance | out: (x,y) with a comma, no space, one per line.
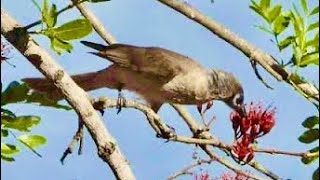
(252,52)
(107,147)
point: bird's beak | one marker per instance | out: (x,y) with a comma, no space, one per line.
(98,47)
(242,111)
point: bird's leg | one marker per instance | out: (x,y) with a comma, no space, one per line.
(121,101)
(208,106)
(199,107)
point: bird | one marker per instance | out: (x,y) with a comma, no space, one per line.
(157,74)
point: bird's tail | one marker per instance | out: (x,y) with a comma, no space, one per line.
(87,81)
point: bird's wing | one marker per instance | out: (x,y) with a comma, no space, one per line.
(155,61)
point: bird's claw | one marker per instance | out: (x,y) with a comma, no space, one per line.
(167,134)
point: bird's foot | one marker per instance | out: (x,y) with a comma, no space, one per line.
(167,133)
(121,102)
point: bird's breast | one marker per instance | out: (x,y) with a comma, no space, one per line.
(191,88)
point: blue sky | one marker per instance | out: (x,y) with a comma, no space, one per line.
(149,23)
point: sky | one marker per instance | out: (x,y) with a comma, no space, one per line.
(149,23)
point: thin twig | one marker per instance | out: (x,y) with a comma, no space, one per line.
(186,170)
(69,6)
(78,136)
(96,23)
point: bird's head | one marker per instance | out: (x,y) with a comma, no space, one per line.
(229,90)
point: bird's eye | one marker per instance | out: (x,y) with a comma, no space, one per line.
(238,99)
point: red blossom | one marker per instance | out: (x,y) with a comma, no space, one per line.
(242,149)
(232,176)
(258,122)
(203,176)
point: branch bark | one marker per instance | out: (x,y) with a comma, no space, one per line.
(107,147)
(252,52)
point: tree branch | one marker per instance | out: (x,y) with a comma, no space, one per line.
(107,147)
(95,22)
(187,169)
(252,52)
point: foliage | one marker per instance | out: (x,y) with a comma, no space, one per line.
(12,124)
(297,28)
(61,36)
(303,35)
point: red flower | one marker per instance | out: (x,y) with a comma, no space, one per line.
(232,176)
(203,176)
(258,122)
(242,149)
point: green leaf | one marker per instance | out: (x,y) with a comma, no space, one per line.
(265,29)
(309,136)
(9,149)
(314,11)
(286,42)
(52,16)
(315,175)
(309,160)
(258,11)
(73,30)
(298,22)
(4,133)
(297,55)
(313,26)
(310,58)
(60,46)
(14,93)
(304,6)
(315,149)
(255,4)
(314,42)
(274,13)
(21,123)
(45,11)
(311,122)
(7,112)
(264,5)
(36,4)
(7,158)
(32,141)
(280,24)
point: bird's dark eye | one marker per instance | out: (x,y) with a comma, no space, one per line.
(238,99)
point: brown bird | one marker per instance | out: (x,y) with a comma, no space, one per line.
(158,75)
